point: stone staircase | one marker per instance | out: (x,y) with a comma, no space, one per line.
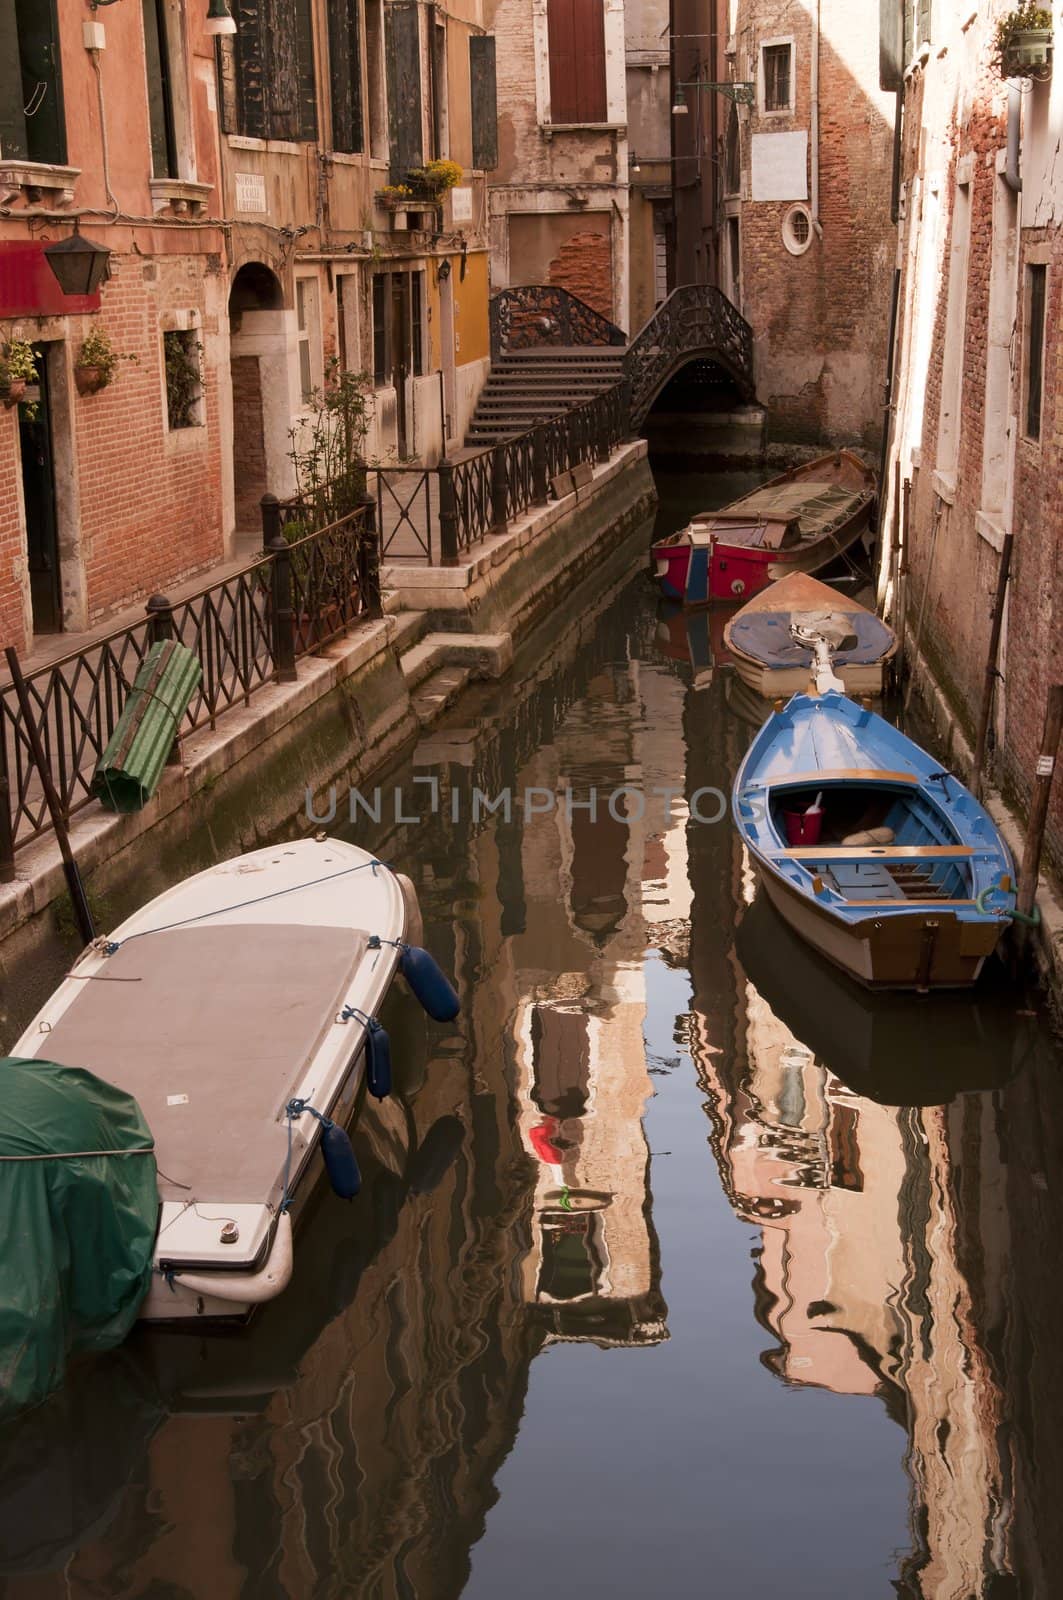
(530,386)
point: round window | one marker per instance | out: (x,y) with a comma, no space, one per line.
(797,230)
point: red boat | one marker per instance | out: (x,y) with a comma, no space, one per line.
(795,523)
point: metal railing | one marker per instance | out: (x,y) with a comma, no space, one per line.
(435,514)
(248,630)
(532,315)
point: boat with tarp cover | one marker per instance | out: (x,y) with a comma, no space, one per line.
(769,641)
(882,861)
(798,522)
(239,1011)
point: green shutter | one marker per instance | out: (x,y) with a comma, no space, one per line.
(484,94)
(403,46)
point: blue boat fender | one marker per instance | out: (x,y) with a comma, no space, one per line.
(340,1161)
(429,983)
(378,1059)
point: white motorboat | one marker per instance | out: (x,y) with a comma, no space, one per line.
(238,1009)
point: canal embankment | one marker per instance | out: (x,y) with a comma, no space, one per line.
(957,752)
(353,708)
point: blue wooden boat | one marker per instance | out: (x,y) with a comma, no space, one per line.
(898,876)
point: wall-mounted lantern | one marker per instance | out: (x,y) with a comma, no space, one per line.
(78,265)
(220,18)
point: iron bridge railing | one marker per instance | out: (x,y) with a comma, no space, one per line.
(248,630)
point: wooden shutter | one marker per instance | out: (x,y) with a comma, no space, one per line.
(576,31)
(251,69)
(926,21)
(484,92)
(891,60)
(30,76)
(403,43)
(345,75)
(275,69)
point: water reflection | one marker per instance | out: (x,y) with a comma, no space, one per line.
(855,1199)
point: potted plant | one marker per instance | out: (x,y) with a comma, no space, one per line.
(394,196)
(432,181)
(17,369)
(1024,42)
(97,362)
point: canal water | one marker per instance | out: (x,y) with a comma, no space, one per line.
(680,1267)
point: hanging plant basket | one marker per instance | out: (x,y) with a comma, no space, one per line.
(12,391)
(1028,53)
(90,380)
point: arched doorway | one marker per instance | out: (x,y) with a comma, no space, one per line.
(259,367)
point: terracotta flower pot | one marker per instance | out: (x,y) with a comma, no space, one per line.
(90,380)
(12,391)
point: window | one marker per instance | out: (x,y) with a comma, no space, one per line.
(273,52)
(345,75)
(399,346)
(184,378)
(777,75)
(402,31)
(32,126)
(797,230)
(1036,300)
(160,92)
(308,320)
(380,329)
(576,30)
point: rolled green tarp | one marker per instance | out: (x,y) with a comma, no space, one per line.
(128,772)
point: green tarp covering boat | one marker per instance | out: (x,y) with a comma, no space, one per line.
(80,1203)
(129,770)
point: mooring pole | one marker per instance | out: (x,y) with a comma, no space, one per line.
(991,673)
(55,809)
(1042,790)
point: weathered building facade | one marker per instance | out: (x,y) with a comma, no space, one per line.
(254,191)
(107,495)
(977,425)
(806,238)
(342,250)
(559,197)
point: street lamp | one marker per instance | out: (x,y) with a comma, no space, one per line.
(743,94)
(78,265)
(219,18)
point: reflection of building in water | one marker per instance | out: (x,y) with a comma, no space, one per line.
(861,1280)
(592,1272)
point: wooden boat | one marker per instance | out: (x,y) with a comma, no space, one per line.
(898,875)
(761,642)
(237,1009)
(795,523)
(897,1050)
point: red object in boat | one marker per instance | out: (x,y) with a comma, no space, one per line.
(798,522)
(803,827)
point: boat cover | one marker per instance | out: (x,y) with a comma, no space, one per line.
(766,637)
(80,1205)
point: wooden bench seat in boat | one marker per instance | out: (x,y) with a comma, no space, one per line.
(211,1028)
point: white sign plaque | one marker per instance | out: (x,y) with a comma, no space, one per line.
(780,166)
(250,191)
(461,204)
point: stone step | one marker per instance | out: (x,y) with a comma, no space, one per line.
(438,691)
(562,352)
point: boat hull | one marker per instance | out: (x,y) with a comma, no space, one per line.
(775,683)
(917,949)
(719,572)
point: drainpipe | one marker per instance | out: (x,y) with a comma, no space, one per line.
(815,120)
(1012,175)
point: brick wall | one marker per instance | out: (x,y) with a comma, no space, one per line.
(821,319)
(956,131)
(584,266)
(144,507)
(12,540)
